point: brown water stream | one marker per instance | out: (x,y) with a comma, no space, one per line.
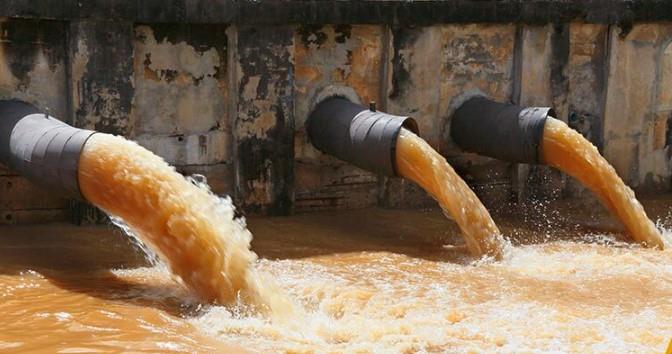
(419,162)
(191,229)
(565,149)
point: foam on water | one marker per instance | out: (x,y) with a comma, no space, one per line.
(562,296)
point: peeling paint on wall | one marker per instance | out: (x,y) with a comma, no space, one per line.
(181,93)
(102,72)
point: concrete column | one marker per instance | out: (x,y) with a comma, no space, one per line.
(264,124)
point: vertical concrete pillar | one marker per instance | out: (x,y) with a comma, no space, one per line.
(264,124)
(587,73)
(637,105)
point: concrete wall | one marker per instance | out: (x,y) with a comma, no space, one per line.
(220,91)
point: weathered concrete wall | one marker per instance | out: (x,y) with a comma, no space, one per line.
(264,121)
(180,106)
(223,89)
(638,105)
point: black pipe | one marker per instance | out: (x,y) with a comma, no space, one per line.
(41,148)
(502,131)
(353,133)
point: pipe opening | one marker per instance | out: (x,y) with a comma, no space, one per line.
(498,130)
(356,134)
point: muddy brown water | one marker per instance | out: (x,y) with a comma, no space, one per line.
(417,161)
(369,280)
(566,149)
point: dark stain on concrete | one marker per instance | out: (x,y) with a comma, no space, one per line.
(312,35)
(106,90)
(344,11)
(343,33)
(23,40)
(201,37)
(267,160)
(559,61)
(401,38)
(668,131)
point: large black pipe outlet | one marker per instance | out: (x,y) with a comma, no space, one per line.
(41,148)
(502,131)
(351,132)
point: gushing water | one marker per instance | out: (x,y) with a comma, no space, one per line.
(192,230)
(567,150)
(420,163)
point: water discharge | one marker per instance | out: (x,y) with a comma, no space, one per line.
(364,281)
(567,150)
(419,162)
(190,228)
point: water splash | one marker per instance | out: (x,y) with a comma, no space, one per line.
(191,229)
(150,255)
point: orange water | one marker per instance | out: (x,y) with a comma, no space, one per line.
(191,229)
(567,150)
(419,162)
(371,281)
